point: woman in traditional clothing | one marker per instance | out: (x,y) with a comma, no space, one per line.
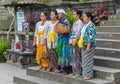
(75,51)
(52,42)
(63,48)
(40,41)
(88,43)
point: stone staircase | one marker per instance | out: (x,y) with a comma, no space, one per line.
(107,60)
(5,17)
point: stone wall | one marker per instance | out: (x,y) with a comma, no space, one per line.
(5,19)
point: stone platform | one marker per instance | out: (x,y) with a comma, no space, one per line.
(20,59)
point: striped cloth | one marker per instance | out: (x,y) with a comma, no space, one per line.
(87,63)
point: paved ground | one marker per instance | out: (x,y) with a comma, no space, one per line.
(7,72)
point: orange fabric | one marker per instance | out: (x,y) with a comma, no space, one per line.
(40,61)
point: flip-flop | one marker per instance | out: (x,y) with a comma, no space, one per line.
(76,76)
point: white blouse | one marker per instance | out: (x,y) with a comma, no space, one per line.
(43,28)
(77,26)
(51,29)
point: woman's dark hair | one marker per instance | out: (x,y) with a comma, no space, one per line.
(45,13)
(89,15)
(55,12)
(78,12)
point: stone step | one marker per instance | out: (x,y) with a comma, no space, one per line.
(107,52)
(65,79)
(108,43)
(107,74)
(109,62)
(118,12)
(25,79)
(110,23)
(108,29)
(114,17)
(108,35)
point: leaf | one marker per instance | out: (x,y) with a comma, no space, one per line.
(69,16)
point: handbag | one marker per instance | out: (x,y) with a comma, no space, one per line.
(45,53)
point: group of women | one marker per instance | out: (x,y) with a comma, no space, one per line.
(73,49)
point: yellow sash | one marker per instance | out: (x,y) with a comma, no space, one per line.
(51,36)
(80,42)
(39,38)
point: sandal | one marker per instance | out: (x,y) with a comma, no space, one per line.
(76,76)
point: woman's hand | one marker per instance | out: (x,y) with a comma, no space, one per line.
(88,47)
(45,41)
(34,43)
(74,42)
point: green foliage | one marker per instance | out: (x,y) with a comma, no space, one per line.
(45,1)
(84,0)
(2,58)
(3,48)
(69,16)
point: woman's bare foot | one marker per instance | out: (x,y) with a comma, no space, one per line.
(86,78)
(39,68)
(48,70)
(56,71)
(44,69)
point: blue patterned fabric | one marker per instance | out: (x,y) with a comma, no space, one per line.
(63,49)
(64,60)
(90,33)
(65,38)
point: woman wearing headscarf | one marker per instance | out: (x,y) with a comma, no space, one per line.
(63,48)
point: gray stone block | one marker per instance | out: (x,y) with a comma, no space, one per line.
(20,59)
(107,52)
(114,29)
(114,17)
(25,79)
(110,23)
(107,73)
(108,35)
(109,62)
(108,43)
